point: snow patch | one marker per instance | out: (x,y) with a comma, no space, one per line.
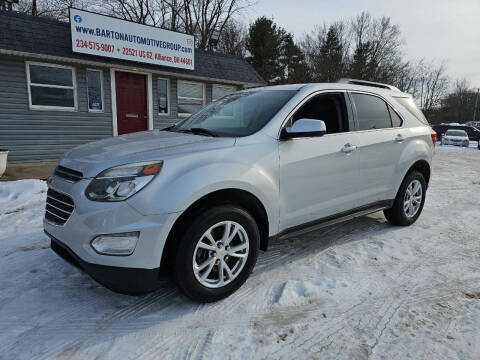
(295,292)
(16,195)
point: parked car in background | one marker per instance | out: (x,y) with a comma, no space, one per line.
(201,198)
(456,137)
(472,132)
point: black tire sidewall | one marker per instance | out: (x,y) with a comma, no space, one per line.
(185,276)
(404,219)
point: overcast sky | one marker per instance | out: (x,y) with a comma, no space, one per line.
(439,30)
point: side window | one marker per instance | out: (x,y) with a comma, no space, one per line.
(330,108)
(219,91)
(95,90)
(190,97)
(372,112)
(51,87)
(396,120)
(162,94)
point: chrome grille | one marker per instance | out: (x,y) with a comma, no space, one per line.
(59,207)
(69,174)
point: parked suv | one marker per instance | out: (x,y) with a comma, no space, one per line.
(199,199)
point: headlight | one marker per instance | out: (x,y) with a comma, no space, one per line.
(121,182)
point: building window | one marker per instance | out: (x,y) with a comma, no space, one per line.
(95,90)
(219,91)
(51,87)
(191,97)
(162,94)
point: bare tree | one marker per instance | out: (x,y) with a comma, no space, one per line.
(202,17)
(377,52)
(56,9)
(147,12)
(432,86)
(232,38)
(195,17)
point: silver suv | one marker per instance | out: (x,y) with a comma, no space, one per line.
(199,199)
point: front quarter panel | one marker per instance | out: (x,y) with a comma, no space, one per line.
(250,165)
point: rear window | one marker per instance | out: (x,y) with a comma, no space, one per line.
(409,104)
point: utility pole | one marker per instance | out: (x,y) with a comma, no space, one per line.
(476,104)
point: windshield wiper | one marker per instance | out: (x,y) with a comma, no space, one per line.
(199,131)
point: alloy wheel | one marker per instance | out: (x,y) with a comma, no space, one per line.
(220,254)
(413,198)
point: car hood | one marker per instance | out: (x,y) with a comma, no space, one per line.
(94,157)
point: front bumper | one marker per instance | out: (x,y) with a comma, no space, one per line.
(119,279)
(127,274)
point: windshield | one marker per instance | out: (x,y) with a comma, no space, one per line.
(456,133)
(237,114)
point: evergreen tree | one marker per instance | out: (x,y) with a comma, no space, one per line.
(331,59)
(363,66)
(292,62)
(264,45)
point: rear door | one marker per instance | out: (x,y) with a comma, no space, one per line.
(318,175)
(381,139)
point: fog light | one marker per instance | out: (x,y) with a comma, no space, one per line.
(116,244)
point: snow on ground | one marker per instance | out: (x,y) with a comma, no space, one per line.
(359,290)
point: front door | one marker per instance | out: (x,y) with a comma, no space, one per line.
(319,175)
(131,94)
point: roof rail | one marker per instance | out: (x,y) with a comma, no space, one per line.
(367,83)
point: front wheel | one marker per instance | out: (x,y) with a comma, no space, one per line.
(217,253)
(409,201)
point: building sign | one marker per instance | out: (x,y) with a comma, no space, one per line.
(100,35)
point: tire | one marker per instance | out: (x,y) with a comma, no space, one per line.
(397,214)
(191,254)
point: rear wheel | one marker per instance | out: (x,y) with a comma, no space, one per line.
(409,202)
(217,253)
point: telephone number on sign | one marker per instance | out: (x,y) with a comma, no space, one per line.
(93,45)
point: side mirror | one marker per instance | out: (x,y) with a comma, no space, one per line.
(304,128)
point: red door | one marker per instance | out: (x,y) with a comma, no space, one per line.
(131,96)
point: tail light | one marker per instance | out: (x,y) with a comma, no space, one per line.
(433,134)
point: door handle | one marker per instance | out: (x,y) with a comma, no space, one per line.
(348,148)
(399,138)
